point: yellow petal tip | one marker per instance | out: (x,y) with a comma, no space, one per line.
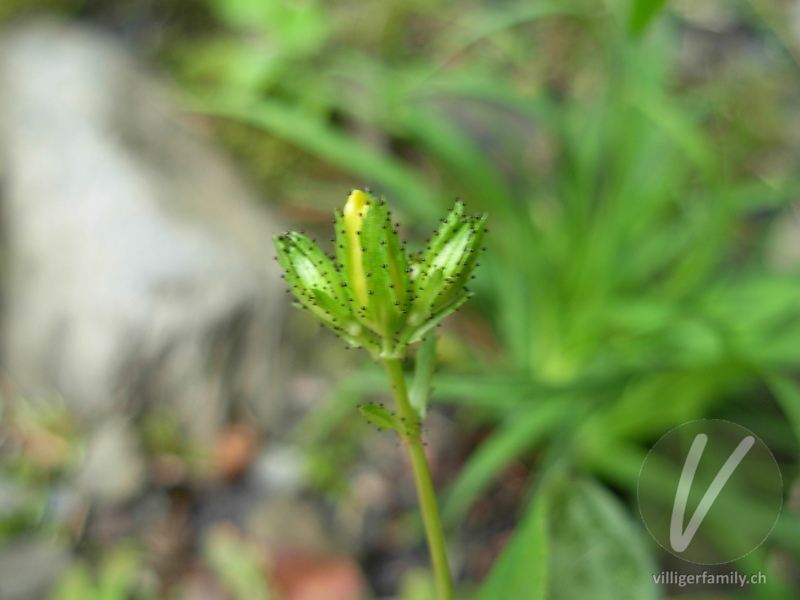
(356,202)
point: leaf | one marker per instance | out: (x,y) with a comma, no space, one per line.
(120,568)
(75,584)
(383,418)
(520,573)
(455,149)
(480,25)
(309,132)
(596,551)
(642,13)
(237,563)
(424,367)
(787,393)
(520,431)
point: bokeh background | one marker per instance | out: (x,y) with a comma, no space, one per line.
(171,429)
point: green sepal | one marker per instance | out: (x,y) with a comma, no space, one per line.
(388,289)
(452,253)
(399,264)
(337,316)
(307,266)
(414,335)
(424,367)
(314,279)
(464,264)
(449,224)
(426,288)
(383,418)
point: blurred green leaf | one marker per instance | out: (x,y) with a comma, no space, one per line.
(313,134)
(432,131)
(118,573)
(116,578)
(596,551)
(519,432)
(417,584)
(787,392)
(237,563)
(75,584)
(642,12)
(296,27)
(521,571)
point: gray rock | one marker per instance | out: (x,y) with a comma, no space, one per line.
(113,469)
(29,567)
(138,264)
(279,470)
(289,523)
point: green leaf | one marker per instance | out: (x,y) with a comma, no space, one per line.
(642,13)
(426,286)
(309,132)
(75,584)
(521,571)
(118,573)
(464,156)
(787,393)
(518,433)
(237,563)
(424,367)
(597,553)
(383,418)
(295,28)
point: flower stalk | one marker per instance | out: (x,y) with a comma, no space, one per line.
(375,295)
(422,477)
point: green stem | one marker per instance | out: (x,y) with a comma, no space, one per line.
(422,477)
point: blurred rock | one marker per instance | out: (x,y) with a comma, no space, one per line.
(280,470)
(113,469)
(289,524)
(28,567)
(138,266)
(12,497)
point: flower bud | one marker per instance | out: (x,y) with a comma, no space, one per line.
(439,283)
(372,295)
(315,281)
(373,264)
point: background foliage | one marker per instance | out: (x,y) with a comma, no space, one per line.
(638,160)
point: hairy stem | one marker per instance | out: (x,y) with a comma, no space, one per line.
(422,478)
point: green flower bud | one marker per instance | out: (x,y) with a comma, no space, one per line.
(442,271)
(372,294)
(315,281)
(373,264)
